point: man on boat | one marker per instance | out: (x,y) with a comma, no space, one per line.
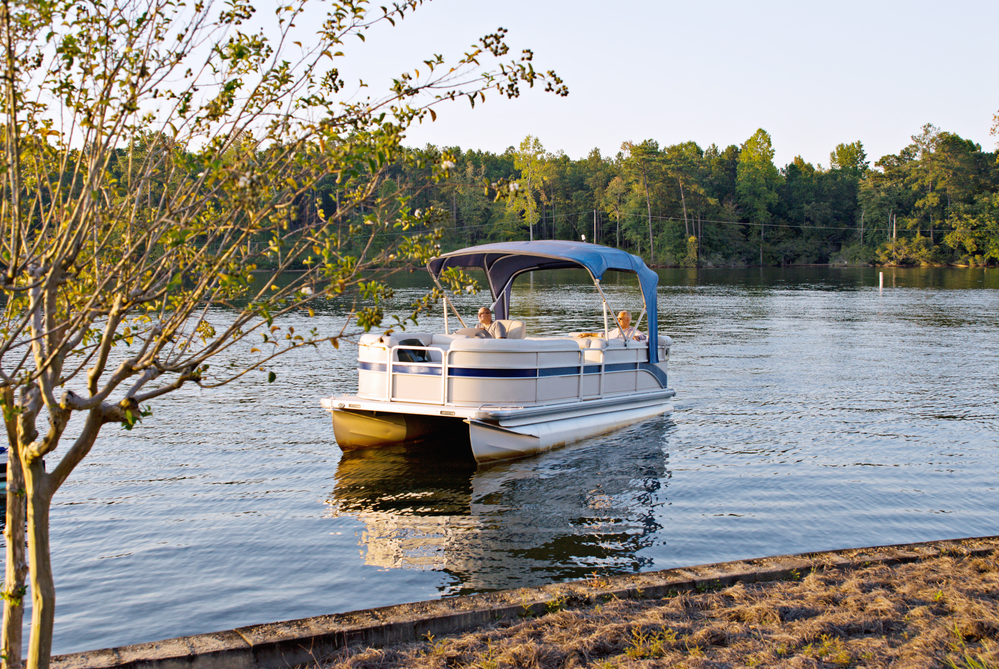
(495,329)
(624,329)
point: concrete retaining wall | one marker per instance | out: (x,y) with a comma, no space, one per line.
(286,644)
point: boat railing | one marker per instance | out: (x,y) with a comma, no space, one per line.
(581,366)
(393,355)
(437,366)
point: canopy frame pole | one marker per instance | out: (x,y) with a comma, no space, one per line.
(501,297)
(603,298)
(640,317)
(447,301)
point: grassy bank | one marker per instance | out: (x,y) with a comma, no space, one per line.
(939,611)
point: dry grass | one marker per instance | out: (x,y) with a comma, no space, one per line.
(939,612)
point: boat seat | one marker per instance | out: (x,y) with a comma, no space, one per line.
(369,339)
(404,339)
(412,354)
(588,342)
(514,329)
(513,345)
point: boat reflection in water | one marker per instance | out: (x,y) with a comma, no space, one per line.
(561,516)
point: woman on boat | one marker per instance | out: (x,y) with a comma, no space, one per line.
(624,329)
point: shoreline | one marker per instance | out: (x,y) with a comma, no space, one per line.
(338,638)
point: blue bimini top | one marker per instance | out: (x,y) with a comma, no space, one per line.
(504,261)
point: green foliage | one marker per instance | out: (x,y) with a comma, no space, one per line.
(132,417)
(757,183)
(650,644)
(531,162)
(915,251)
(967,658)
(829,649)
(740,208)
(691,259)
(15,595)
(850,158)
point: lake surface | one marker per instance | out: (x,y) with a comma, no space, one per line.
(814,411)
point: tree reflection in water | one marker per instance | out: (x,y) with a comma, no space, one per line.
(559,516)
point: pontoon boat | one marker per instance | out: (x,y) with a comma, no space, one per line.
(516,396)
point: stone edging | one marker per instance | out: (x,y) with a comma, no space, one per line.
(286,644)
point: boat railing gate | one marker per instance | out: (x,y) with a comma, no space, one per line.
(393,353)
(445,366)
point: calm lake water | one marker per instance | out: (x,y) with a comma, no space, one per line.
(814,411)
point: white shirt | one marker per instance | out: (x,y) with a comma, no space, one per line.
(629,333)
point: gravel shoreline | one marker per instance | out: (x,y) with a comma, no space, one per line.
(941,610)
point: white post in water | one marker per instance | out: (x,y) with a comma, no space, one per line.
(881,281)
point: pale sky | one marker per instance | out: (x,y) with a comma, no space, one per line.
(811,74)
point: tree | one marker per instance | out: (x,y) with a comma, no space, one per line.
(473,205)
(643,166)
(849,157)
(757,181)
(685,164)
(612,203)
(530,160)
(156,154)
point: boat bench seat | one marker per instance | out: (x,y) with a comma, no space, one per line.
(514,329)
(599,343)
(616,342)
(388,341)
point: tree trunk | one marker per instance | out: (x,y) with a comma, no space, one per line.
(17,566)
(40,487)
(763,229)
(43,594)
(648,205)
(686,226)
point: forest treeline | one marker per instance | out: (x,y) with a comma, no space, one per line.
(934,202)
